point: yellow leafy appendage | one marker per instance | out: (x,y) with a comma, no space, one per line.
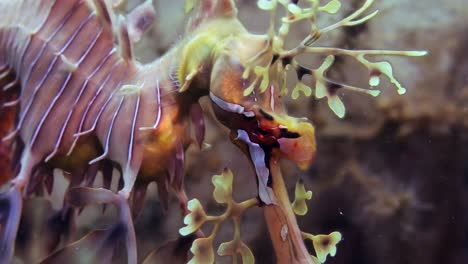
(283,59)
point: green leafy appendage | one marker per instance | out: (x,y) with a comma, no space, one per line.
(285,59)
(202,248)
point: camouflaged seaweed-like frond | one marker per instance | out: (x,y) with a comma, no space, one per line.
(283,59)
(301,196)
(324,245)
(202,248)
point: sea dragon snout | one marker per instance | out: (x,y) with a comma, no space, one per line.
(258,121)
(260,134)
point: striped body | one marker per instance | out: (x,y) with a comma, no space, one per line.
(73,80)
(83,104)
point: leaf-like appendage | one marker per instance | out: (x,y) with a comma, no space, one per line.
(189,6)
(322,88)
(301,198)
(202,249)
(301,87)
(377,68)
(331,7)
(237,247)
(249,90)
(294,9)
(324,245)
(267,4)
(335,104)
(246,253)
(223,187)
(195,219)
(228,248)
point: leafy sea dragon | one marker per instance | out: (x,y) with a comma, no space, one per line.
(248,79)
(83,103)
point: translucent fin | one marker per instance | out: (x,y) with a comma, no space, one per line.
(140,20)
(174,252)
(97,247)
(11,204)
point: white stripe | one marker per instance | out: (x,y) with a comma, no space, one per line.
(46,114)
(158,116)
(85,85)
(109,134)
(49,69)
(65,124)
(132,135)
(64,85)
(91,103)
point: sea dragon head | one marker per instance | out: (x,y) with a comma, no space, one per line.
(253,109)
(247,76)
(249,106)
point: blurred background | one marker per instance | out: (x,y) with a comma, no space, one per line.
(392,176)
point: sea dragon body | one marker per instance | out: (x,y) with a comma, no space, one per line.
(68,61)
(84,102)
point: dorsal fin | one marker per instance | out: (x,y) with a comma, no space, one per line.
(125,45)
(127,29)
(102,10)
